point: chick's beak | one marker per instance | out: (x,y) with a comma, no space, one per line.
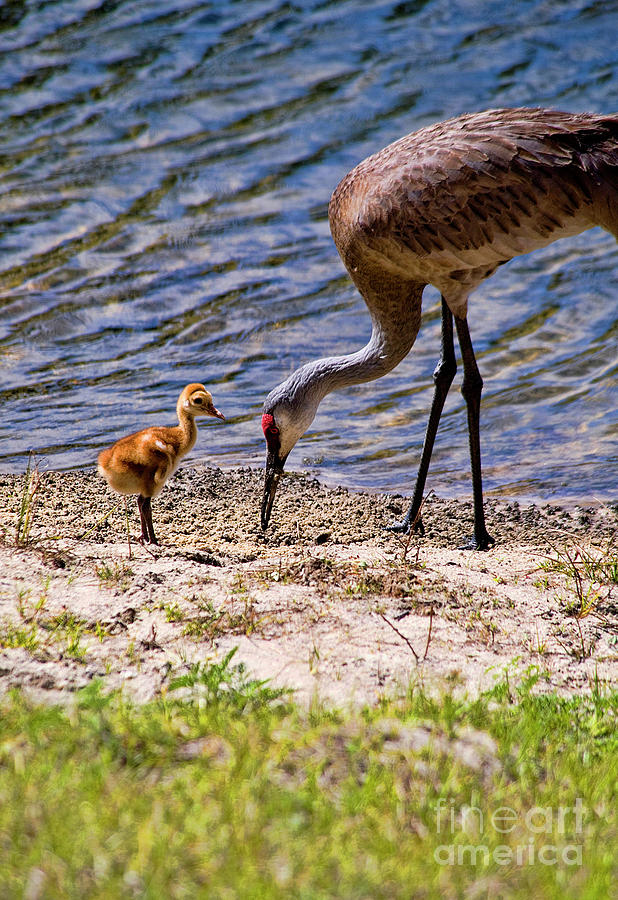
(213,411)
(274,471)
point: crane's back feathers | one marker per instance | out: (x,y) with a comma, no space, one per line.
(448,204)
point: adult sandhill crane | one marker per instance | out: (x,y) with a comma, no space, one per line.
(142,462)
(446,206)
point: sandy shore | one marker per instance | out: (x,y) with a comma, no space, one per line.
(326,601)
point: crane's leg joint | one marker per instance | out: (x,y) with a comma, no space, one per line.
(444,373)
(472,387)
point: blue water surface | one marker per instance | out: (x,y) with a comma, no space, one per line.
(165,171)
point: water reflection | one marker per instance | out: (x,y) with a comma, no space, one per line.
(165,174)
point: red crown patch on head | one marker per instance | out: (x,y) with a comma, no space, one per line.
(271,432)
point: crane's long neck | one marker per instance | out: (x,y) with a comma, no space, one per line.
(396,317)
(322,376)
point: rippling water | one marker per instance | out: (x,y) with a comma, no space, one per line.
(165,170)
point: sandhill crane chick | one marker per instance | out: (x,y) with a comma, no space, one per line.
(142,462)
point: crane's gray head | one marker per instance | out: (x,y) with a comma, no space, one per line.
(288,412)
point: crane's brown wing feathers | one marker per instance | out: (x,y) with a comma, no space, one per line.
(465,195)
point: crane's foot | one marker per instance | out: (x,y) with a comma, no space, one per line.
(405,527)
(482,541)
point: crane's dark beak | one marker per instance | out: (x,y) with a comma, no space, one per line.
(274,471)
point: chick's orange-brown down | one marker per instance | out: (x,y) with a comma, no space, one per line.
(142,462)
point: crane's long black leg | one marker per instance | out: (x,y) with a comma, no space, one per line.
(443,378)
(145,514)
(471,390)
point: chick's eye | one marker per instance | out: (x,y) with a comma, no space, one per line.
(273,430)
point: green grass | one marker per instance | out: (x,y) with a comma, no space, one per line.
(38,632)
(590,572)
(226,789)
(27,506)
(214,622)
(598,564)
(115,575)
(18,636)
